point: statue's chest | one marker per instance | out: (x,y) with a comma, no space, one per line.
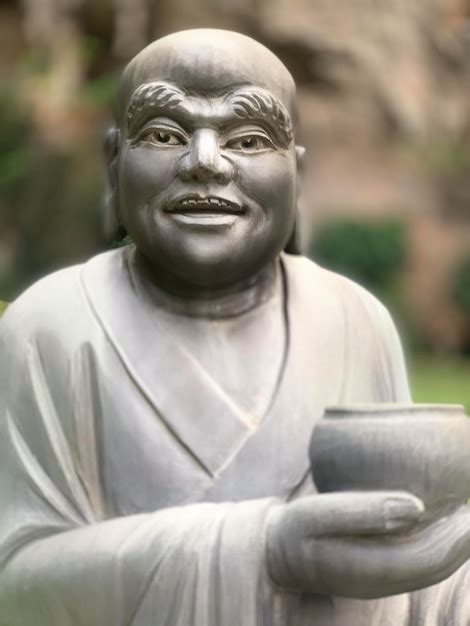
(225,412)
(239,358)
(172,432)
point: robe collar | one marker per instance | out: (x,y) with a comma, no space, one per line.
(212,428)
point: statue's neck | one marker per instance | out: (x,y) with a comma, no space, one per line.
(185,299)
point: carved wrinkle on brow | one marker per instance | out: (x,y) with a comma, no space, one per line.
(151,95)
(258,105)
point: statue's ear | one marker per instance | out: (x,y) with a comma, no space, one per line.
(300,157)
(113,229)
(293,245)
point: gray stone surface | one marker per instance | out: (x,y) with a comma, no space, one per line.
(158,401)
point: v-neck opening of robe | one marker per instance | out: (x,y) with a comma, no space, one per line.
(127,323)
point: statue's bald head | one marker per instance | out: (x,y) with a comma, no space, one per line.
(208,62)
(204,168)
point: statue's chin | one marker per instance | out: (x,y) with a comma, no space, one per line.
(191,252)
(215,272)
(204,269)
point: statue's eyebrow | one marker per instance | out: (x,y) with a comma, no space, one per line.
(261,106)
(245,103)
(151,97)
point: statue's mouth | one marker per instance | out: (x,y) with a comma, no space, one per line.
(196,205)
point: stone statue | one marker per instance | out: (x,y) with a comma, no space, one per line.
(157,402)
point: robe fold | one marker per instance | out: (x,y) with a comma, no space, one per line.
(135,492)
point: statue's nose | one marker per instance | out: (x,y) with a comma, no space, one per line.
(204,162)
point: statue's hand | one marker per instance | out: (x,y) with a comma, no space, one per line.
(363,545)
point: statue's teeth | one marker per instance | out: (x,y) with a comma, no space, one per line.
(204,202)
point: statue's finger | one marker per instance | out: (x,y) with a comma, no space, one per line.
(419,559)
(441,548)
(359,513)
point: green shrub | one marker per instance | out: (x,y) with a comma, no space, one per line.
(369,252)
(50,198)
(461,286)
(15,153)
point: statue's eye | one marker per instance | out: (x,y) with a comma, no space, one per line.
(250,143)
(162,137)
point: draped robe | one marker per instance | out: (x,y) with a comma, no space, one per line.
(124,501)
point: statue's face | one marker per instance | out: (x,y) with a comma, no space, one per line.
(207,183)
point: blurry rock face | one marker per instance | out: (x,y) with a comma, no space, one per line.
(384,103)
(405,56)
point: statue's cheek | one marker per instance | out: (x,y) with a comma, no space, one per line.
(145,171)
(269,177)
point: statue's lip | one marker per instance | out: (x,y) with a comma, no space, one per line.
(198,203)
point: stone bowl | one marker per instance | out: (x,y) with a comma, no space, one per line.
(420,448)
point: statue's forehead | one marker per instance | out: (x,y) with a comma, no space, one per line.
(206,73)
(208,63)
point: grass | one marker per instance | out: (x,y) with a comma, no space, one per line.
(440,379)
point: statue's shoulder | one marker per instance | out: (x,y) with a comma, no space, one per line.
(323,287)
(51,305)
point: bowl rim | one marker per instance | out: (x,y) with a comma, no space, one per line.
(387,409)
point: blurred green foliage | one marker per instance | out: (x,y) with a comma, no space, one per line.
(443,157)
(461,286)
(15,154)
(50,195)
(369,252)
(100,91)
(50,190)
(440,379)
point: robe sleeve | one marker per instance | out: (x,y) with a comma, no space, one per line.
(390,357)
(373,351)
(445,604)
(63,563)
